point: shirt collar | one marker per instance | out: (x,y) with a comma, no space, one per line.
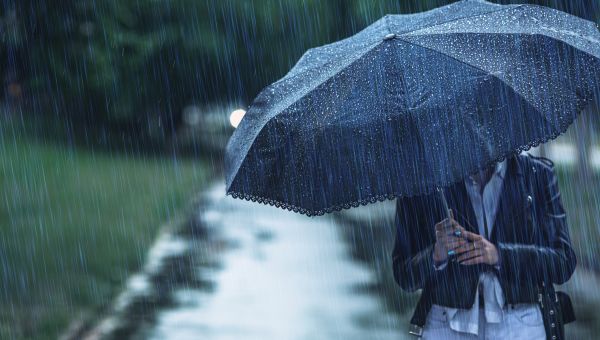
(499,170)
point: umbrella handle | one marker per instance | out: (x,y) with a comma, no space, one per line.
(445,203)
(449,214)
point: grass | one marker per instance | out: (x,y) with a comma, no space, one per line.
(74,223)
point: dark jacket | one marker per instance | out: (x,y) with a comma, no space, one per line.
(530,233)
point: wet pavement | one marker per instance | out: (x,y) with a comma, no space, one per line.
(280,276)
(245,270)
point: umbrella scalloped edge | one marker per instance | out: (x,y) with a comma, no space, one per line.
(381,198)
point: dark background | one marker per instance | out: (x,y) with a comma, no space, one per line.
(109,69)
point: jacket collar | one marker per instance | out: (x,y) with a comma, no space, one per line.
(515,164)
(510,197)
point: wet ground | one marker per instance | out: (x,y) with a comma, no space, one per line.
(288,277)
(267,274)
(246,270)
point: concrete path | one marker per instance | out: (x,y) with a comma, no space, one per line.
(288,277)
(259,272)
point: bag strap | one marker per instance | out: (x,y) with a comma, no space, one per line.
(419,317)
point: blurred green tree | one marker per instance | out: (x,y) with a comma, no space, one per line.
(133,65)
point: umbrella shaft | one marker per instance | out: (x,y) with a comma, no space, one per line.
(444,202)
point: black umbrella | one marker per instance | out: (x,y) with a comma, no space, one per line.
(411,103)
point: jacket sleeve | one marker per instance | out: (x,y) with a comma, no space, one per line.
(412,255)
(552,257)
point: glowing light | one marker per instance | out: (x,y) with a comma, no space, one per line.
(236,117)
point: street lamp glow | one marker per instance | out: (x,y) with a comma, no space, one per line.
(236,117)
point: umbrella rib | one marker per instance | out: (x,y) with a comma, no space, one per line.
(302,73)
(584,37)
(590,39)
(484,71)
(471,65)
(300,98)
(386,19)
(457,19)
(328,78)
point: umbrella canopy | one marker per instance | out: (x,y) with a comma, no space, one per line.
(411,103)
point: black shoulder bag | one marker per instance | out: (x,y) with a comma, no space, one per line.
(557,311)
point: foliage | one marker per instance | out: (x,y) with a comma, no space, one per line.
(74,223)
(134,64)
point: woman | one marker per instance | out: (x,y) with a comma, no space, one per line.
(487,270)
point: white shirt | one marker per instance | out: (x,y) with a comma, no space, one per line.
(467,320)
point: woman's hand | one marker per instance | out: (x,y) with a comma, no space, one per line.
(447,239)
(477,250)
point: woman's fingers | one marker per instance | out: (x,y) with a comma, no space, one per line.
(444,224)
(449,238)
(472,236)
(447,223)
(473,260)
(454,243)
(448,229)
(470,254)
(469,246)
